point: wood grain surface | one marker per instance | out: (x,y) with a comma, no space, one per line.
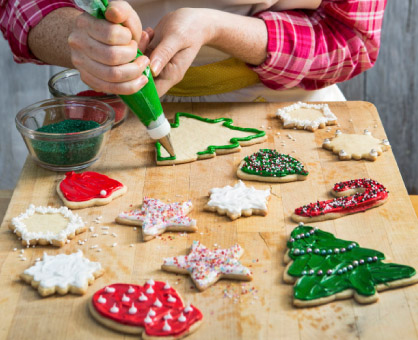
(261,309)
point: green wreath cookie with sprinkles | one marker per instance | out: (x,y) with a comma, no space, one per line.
(267,165)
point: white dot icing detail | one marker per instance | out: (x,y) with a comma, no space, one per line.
(168,316)
(367,132)
(151,282)
(125,298)
(338,132)
(131,290)
(147,319)
(342,153)
(157,303)
(373,153)
(114,309)
(151,312)
(133,309)
(110,289)
(167,286)
(181,318)
(385,142)
(188,309)
(171,298)
(103,193)
(101,300)
(149,291)
(166,327)
(142,297)
(326,141)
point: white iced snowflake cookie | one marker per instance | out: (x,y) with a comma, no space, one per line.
(306,116)
(356,146)
(47,225)
(62,274)
(238,200)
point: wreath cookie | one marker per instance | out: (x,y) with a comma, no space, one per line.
(268,165)
(306,116)
(88,189)
(352,197)
(47,225)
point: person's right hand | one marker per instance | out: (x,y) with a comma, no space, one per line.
(102,50)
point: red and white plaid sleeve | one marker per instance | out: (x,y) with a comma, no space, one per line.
(314,49)
(18,17)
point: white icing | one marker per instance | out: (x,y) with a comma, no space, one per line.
(157,303)
(287,119)
(151,312)
(142,297)
(151,282)
(149,291)
(147,319)
(64,270)
(110,290)
(385,142)
(367,132)
(101,300)
(168,316)
(131,290)
(338,132)
(167,286)
(373,153)
(181,318)
(114,309)
(342,153)
(125,298)
(166,327)
(103,193)
(188,308)
(239,197)
(75,222)
(133,309)
(326,141)
(171,298)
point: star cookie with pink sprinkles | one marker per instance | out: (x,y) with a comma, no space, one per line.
(157,217)
(208,266)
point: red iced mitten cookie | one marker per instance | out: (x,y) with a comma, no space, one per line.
(88,189)
(352,197)
(154,310)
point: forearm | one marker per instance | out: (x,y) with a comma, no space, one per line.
(242,37)
(48,40)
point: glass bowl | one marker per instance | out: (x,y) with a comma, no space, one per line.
(65,134)
(68,83)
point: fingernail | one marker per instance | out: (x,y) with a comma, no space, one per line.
(144,62)
(143,80)
(156,66)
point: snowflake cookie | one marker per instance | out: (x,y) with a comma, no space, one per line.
(324,268)
(238,201)
(352,196)
(268,165)
(62,274)
(157,217)
(154,310)
(353,146)
(208,266)
(306,116)
(47,225)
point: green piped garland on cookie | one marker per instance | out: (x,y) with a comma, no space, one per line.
(270,163)
(326,265)
(211,149)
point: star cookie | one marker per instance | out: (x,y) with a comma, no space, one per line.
(208,266)
(268,165)
(238,200)
(154,310)
(47,225)
(88,189)
(306,116)
(352,197)
(352,146)
(62,274)
(156,217)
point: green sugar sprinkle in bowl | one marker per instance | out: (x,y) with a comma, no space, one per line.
(65,134)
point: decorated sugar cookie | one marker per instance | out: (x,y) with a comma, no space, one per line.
(194,138)
(205,266)
(306,116)
(268,165)
(324,268)
(88,189)
(47,225)
(157,217)
(238,201)
(354,146)
(154,310)
(352,197)
(62,274)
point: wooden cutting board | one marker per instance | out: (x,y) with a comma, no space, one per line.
(260,309)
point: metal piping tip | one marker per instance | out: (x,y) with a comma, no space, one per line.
(166,143)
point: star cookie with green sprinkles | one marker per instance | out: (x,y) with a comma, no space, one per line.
(267,165)
(208,266)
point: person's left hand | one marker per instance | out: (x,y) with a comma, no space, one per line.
(177,39)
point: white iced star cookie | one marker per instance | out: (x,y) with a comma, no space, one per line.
(205,266)
(238,201)
(62,274)
(306,116)
(47,225)
(355,146)
(156,217)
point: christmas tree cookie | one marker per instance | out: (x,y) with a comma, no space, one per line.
(268,165)
(194,138)
(354,146)
(324,268)
(352,197)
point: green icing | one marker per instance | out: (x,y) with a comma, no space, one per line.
(211,149)
(270,163)
(317,252)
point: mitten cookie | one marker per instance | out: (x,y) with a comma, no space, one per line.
(154,310)
(208,266)
(88,189)
(268,165)
(324,268)
(47,225)
(353,196)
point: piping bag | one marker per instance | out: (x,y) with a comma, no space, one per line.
(145,103)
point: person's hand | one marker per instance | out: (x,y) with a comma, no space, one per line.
(102,50)
(177,39)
